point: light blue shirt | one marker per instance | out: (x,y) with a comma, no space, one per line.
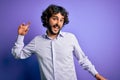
(55,56)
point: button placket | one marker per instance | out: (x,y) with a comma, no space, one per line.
(53,56)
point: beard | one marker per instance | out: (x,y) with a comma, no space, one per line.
(50,29)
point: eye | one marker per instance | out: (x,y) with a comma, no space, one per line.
(54,18)
(61,20)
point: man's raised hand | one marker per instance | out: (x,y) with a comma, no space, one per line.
(23,29)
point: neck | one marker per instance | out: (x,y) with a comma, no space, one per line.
(52,36)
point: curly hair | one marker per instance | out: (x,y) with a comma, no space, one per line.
(51,10)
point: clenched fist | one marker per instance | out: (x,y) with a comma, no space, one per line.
(23,29)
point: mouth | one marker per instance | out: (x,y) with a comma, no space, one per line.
(56,27)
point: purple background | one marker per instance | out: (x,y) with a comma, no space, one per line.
(96,24)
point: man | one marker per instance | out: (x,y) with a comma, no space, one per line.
(54,49)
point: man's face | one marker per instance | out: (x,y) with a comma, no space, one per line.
(56,23)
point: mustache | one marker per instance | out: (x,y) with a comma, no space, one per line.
(56,25)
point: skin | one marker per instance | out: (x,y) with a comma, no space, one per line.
(55,25)
(23,29)
(99,77)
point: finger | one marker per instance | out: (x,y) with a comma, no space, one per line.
(20,27)
(23,24)
(28,24)
(27,30)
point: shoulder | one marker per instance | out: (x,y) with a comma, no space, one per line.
(68,34)
(38,37)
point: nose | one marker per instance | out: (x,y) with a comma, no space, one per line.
(58,22)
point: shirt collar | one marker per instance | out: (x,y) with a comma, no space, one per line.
(59,35)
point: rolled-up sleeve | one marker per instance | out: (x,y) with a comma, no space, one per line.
(21,51)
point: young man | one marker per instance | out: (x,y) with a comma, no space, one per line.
(54,49)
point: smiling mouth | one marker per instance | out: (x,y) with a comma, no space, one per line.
(56,26)
(56,29)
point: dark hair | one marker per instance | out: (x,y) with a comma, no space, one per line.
(53,9)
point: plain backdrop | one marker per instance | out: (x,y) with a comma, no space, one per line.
(96,24)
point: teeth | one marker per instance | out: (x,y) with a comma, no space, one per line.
(56,27)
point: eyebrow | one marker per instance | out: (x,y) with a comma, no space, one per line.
(57,16)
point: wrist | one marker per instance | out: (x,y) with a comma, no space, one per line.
(99,77)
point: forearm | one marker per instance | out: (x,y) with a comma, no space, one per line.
(87,65)
(21,51)
(17,48)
